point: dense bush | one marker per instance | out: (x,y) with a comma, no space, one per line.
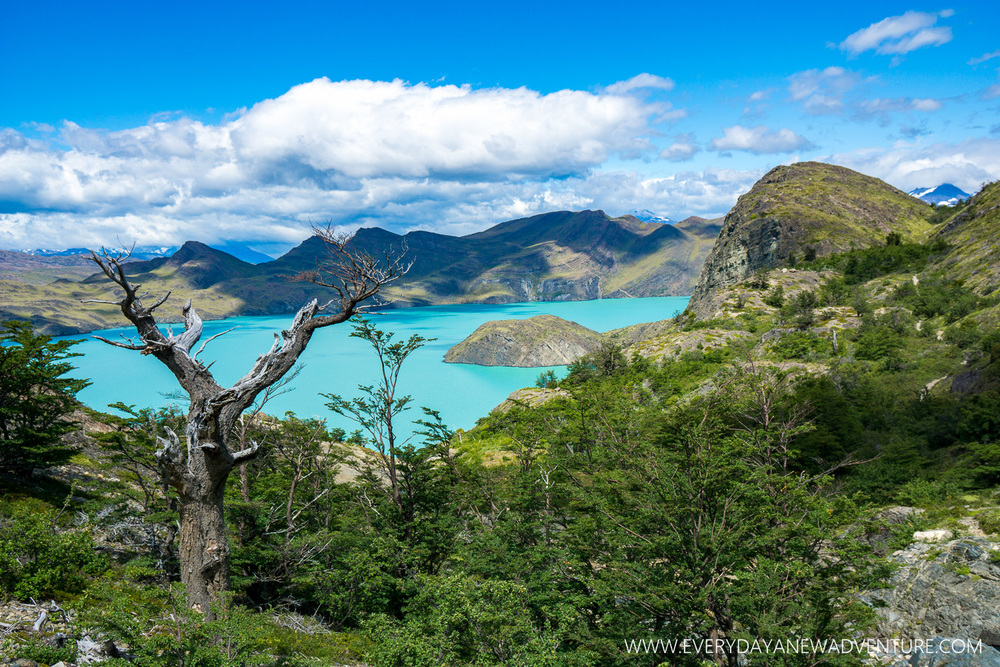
(38,558)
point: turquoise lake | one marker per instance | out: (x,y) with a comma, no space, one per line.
(336,363)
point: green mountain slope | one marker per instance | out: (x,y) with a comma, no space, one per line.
(974,234)
(807,206)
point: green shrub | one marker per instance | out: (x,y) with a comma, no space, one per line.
(989,521)
(161,631)
(963,335)
(776,297)
(38,560)
(801,345)
(878,342)
(922,493)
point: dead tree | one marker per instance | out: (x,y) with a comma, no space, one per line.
(199,467)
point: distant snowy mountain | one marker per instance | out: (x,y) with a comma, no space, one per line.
(942,195)
(648,216)
(148,252)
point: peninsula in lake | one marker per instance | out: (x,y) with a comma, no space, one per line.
(560,256)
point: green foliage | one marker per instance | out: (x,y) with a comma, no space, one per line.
(878,342)
(463,621)
(37,650)
(607,361)
(160,630)
(801,345)
(989,521)
(375,409)
(964,335)
(776,297)
(130,446)
(862,265)
(38,558)
(547,380)
(922,493)
(947,299)
(34,399)
(942,212)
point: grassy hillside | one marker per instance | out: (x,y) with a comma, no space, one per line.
(974,232)
(803,209)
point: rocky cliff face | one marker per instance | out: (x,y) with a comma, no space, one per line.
(806,205)
(942,588)
(543,340)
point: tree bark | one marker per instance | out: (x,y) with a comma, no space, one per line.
(204,549)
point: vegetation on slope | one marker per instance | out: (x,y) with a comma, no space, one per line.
(811,208)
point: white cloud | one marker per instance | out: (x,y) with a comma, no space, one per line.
(886,105)
(900,34)
(283,214)
(822,91)
(983,58)
(991,93)
(368,128)
(350,150)
(640,81)
(968,164)
(684,148)
(759,140)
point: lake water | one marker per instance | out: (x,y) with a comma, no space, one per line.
(336,363)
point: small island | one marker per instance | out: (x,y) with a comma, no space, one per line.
(543,340)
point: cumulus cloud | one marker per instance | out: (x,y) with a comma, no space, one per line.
(759,140)
(350,151)
(900,34)
(684,148)
(640,81)
(822,91)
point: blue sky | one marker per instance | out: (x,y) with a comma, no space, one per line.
(222,121)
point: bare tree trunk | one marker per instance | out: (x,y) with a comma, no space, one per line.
(204,550)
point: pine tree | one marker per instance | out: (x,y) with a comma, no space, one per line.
(35,398)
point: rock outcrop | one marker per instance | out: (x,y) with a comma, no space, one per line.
(942,589)
(543,340)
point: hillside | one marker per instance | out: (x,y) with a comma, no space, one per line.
(550,257)
(803,207)
(973,232)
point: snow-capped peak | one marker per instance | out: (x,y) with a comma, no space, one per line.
(945,194)
(648,216)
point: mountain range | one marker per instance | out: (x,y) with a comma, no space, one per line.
(554,256)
